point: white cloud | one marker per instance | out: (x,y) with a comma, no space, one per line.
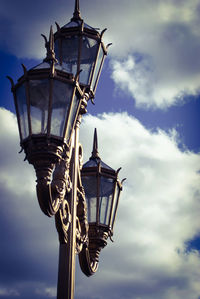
(50,292)
(144,84)
(9,150)
(162,42)
(158,213)
(8,293)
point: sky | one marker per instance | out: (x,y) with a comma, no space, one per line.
(146,113)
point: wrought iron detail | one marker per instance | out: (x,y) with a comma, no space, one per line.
(89,256)
(62,221)
(52,171)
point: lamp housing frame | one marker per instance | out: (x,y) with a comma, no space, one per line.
(77,28)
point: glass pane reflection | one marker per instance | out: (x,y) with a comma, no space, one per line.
(22,108)
(88,57)
(62,93)
(72,116)
(39,102)
(115,204)
(69,53)
(106,192)
(98,64)
(90,187)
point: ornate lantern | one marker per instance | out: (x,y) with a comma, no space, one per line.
(102,190)
(80,50)
(48,101)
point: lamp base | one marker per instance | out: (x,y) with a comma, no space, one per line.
(89,256)
(98,236)
(40,147)
(50,158)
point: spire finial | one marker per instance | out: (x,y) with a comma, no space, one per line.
(77,13)
(50,47)
(95,153)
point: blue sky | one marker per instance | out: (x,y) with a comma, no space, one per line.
(146,112)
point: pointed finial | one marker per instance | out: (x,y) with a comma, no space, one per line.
(95,153)
(51,39)
(77,13)
(50,47)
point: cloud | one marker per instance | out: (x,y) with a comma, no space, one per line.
(49,292)
(158,64)
(8,293)
(150,88)
(158,214)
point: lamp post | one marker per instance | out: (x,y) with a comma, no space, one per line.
(50,100)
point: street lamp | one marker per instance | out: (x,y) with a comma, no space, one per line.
(48,103)
(50,100)
(79,49)
(102,190)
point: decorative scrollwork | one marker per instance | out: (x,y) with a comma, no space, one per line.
(51,194)
(50,158)
(63,220)
(82,227)
(79,243)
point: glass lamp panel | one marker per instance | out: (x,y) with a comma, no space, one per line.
(72,116)
(88,57)
(62,93)
(39,103)
(90,187)
(98,65)
(22,108)
(105,201)
(115,205)
(68,57)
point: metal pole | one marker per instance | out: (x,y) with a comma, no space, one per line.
(66,268)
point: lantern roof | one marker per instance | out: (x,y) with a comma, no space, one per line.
(95,159)
(47,65)
(95,162)
(76,20)
(78,23)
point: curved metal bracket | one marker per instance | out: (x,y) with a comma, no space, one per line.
(58,27)
(51,195)
(24,69)
(87,266)
(102,33)
(45,39)
(108,45)
(11,81)
(89,256)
